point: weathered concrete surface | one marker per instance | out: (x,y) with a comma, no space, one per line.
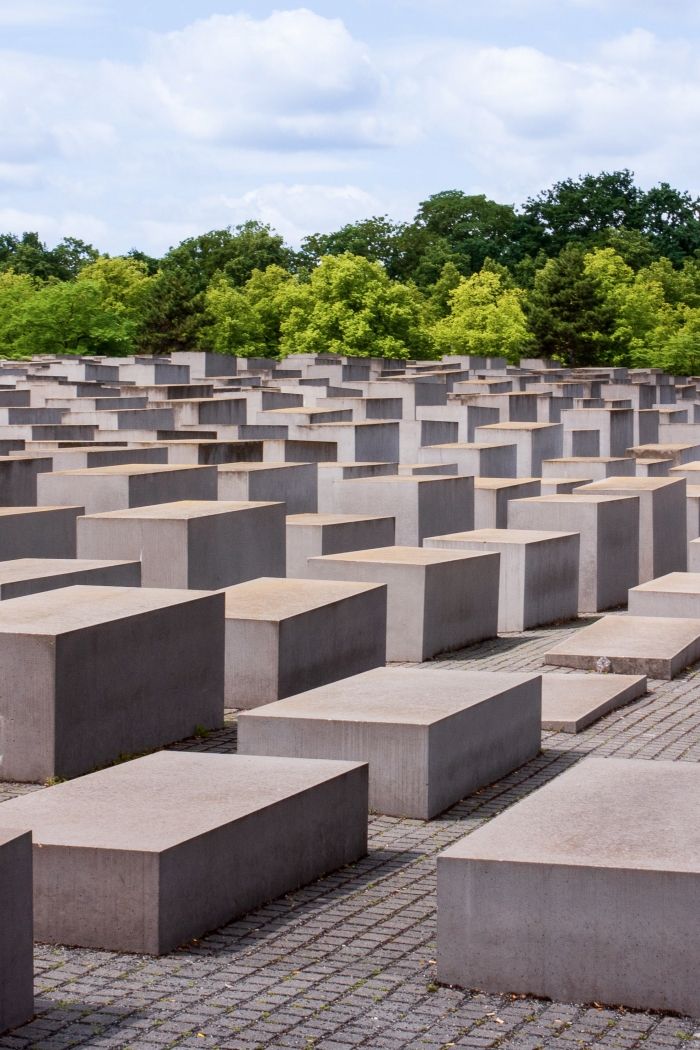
(287,636)
(422,506)
(593,467)
(101,489)
(438,601)
(16,925)
(328,473)
(659,647)
(586,891)
(33,575)
(571,702)
(483,460)
(535,442)
(295,484)
(492,496)
(313,535)
(118,866)
(676,594)
(90,673)
(430,737)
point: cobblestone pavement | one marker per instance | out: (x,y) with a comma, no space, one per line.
(349,961)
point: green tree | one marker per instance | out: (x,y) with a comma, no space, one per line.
(29,256)
(252,246)
(375,239)
(68,317)
(486,318)
(247,322)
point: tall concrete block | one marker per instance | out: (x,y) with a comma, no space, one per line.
(479,461)
(328,473)
(662,521)
(16,926)
(609,530)
(287,636)
(33,575)
(204,545)
(538,576)
(90,673)
(583,892)
(614,426)
(143,875)
(38,532)
(422,506)
(18,479)
(430,737)
(438,601)
(492,495)
(535,442)
(313,535)
(118,487)
(357,442)
(295,484)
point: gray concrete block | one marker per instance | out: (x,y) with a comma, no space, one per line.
(287,636)
(330,472)
(313,535)
(679,452)
(561,486)
(659,647)
(689,471)
(662,521)
(16,925)
(534,442)
(96,456)
(18,479)
(676,594)
(38,532)
(585,891)
(492,495)
(143,875)
(90,673)
(438,601)
(538,575)
(430,737)
(572,702)
(34,575)
(592,467)
(609,530)
(295,484)
(126,485)
(422,506)
(652,468)
(485,460)
(204,545)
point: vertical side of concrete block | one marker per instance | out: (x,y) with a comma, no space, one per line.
(252,663)
(618,551)
(16,925)
(551,580)
(27,720)
(114,539)
(303,542)
(165,553)
(512,600)
(445,506)
(670,553)
(461,603)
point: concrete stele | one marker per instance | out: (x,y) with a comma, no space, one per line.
(295,484)
(38,532)
(313,535)
(572,702)
(101,489)
(421,506)
(659,647)
(676,594)
(32,575)
(16,926)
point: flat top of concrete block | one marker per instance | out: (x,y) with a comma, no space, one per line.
(8,512)
(641,637)
(31,568)
(514,536)
(476,445)
(504,483)
(605,812)
(516,426)
(404,479)
(272,598)
(248,468)
(578,497)
(693,466)
(353,463)
(638,484)
(638,450)
(127,469)
(570,697)
(400,556)
(183,509)
(75,608)
(398,695)
(673,583)
(130,806)
(10,834)
(333,519)
(588,459)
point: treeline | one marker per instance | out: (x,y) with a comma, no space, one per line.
(590,271)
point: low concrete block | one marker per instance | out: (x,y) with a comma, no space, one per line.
(535,442)
(653,468)
(101,489)
(422,506)
(593,467)
(492,495)
(287,636)
(484,460)
(609,530)
(199,544)
(677,595)
(16,924)
(430,737)
(538,576)
(313,535)
(38,532)
(295,484)
(561,486)
(438,601)
(659,647)
(571,702)
(33,575)
(143,875)
(583,892)
(331,472)
(90,673)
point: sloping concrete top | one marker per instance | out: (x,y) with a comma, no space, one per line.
(8,512)
(605,812)
(397,695)
(504,483)
(127,469)
(674,582)
(570,702)
(583,497)
(331,519)
(30,568)
(401,555)
(246,468)
(130,806)
(184,508)
(398,479)
(515,536)
(633,484)
(516,426)
(273,598)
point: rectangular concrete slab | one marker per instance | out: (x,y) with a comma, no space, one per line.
(295,484)
(585,891)
(313,535)
(117,866)
(431,737)
(538,575)
(422,506)
(101,489)
(571,702)
(492,495)
(287,636)
(438,600)
(677,594)
(38,532)
(16,925)
(90,673)
(32,575)
(659,647)
(200,544)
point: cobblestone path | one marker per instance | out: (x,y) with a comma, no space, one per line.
(349,961)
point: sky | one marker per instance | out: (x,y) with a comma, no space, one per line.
(137,124)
